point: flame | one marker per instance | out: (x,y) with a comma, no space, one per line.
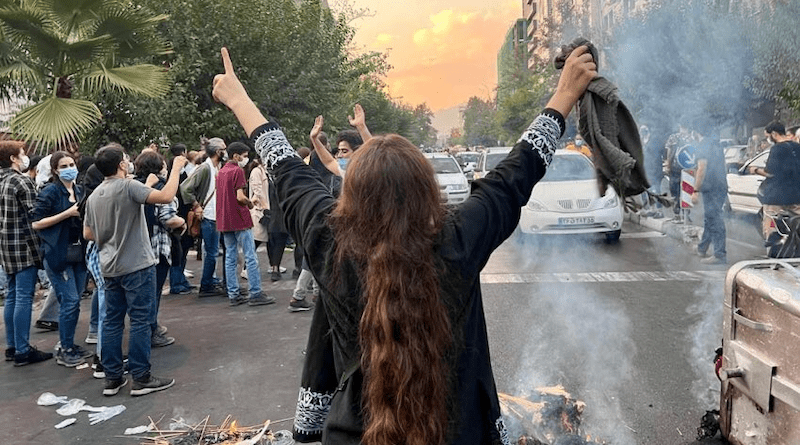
(233,427)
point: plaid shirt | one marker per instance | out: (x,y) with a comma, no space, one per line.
(161,241)
(19,245)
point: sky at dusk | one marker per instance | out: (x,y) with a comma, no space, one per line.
(442,52)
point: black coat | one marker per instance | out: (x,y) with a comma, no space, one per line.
(472,231)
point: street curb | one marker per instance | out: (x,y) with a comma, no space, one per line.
(686,233)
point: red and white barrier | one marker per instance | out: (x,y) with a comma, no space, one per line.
(687,188)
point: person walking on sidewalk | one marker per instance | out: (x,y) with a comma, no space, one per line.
(398,350)
(115,220)
(198,191)
(711,182)
(19,253)
(235,224)
(56,218)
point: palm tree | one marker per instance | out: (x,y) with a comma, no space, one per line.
(60,54)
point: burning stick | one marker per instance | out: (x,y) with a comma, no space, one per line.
(227,433)
(548,416)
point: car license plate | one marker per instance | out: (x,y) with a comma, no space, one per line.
(573,221)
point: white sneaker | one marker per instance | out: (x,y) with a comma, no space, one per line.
(243,274)
(282,269)
(188,274)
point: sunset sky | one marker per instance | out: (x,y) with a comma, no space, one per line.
(443,52)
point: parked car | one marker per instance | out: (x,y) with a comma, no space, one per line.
(567,201)
(453,184)
(735,157)
(489,160)
(743,186)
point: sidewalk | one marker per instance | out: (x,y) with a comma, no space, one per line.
(688,233)
(239,361)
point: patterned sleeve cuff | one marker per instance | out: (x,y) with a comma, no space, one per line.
(543,134)
(271,145)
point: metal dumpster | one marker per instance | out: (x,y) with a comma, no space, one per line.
(760,396)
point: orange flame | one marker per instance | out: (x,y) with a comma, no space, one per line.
(233,427)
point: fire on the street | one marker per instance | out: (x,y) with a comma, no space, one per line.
(549,416)
(227,433)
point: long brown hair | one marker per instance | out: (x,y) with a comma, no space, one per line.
(386,221)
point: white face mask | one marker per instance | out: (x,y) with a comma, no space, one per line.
(26,162)
(243,162)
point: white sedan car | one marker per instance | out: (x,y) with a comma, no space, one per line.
(743,186)
(453,185)
(567,201)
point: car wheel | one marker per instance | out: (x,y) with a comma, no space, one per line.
(613,237)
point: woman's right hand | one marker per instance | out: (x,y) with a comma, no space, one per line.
(579,70)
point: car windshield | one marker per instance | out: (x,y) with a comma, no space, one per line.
(468,157)
(569,168)
(445,165)
(492,159)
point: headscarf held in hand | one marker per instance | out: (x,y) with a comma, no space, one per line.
(609,129)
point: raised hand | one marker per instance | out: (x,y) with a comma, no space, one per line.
(358,118)
(227,87)
(317,128)
(229,91)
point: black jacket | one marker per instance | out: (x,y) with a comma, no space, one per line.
(472,231)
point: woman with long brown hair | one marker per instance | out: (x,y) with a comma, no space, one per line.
(398,351)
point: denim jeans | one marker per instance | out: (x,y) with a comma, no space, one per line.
(162,270)
(713,224)
(130,294)
(99,298)
(17,311)
(210,251)
(51,307)
(69,285)
(3,281)
(233,240)
(177,280)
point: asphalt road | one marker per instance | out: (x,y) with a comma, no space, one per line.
(629,328)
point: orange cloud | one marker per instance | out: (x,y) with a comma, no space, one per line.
(449,59)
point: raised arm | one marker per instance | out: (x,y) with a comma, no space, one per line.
(359,122)
(229,91)
(325,156)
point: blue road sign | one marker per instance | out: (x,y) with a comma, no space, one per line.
(686,157)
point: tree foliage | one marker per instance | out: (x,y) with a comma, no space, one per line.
(294,59)
(479,122)
(62,54)
(521,93)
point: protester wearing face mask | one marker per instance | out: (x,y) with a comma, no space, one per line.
(19,253)
(198,191)
(235,224)
(57,220)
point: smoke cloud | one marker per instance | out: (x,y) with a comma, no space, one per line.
(705,337)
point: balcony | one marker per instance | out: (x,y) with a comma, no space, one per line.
(532,12)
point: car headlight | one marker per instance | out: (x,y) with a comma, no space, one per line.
(456,187)
(536,206)
(610,201)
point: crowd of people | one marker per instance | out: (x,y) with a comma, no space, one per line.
(72,222)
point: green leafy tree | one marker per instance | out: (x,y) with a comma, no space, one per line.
(521,93)
(62,54)
(294,58)
(479,122)
(422,133)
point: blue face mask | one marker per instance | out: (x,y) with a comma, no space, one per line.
(68,174)
(343,163)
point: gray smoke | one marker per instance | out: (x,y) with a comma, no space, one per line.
(704,337)
(583,342)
